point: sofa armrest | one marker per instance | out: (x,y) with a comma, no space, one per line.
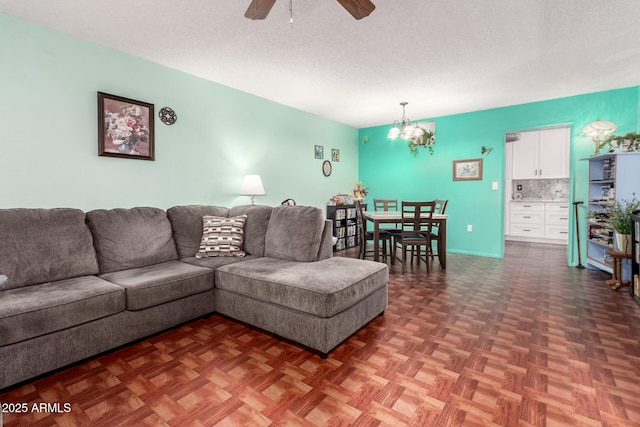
(326,244)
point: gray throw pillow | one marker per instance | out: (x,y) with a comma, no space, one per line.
(3,280)
(222,236)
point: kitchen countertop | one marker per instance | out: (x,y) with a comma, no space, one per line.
(541,200)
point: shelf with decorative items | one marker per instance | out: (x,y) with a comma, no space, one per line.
(345,226)
(613,182)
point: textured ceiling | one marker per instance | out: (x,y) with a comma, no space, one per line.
(442,56)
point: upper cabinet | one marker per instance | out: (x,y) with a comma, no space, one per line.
(542,154)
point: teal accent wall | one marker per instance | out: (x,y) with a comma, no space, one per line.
(388,169)
(49,144)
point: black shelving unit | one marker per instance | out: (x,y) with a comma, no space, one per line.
(345,226)
(635,257)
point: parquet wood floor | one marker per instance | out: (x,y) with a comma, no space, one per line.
(519,341)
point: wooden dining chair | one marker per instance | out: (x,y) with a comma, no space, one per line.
(367,236)
(441,207)
(415,232)
(385,204)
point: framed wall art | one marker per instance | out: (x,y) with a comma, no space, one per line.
(125,128)
(318,151)
(467,170)
(335,155)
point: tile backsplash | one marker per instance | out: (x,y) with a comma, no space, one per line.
(542,189)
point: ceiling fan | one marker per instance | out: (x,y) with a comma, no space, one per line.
(259,9)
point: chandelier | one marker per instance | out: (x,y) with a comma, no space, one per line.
(405,128)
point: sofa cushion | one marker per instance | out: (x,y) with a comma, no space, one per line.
(44,245)
(160,283)
(222,236)
(321,288)
(186,222)
(255,228)
(41,309)
(131,238)
(294,233)
(216,261)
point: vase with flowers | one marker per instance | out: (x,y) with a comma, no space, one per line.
(620,220)
(359,192)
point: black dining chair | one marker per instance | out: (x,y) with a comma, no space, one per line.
(367,236)
(415,232)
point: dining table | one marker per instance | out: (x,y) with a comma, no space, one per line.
(395,217)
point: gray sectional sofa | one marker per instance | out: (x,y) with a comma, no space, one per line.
(78,284)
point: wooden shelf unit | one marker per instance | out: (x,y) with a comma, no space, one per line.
(613,177)
(635,257)
(345,226)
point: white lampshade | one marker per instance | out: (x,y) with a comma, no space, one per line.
(252,186)
(394,132)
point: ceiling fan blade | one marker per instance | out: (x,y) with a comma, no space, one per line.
(358,8)
(259,9)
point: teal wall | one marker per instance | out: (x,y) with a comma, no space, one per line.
(48,148)
(389,170)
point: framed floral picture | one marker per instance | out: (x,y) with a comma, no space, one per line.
(467,170)
(125,128)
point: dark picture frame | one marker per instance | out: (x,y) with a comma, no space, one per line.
(326,168)
(125,128)
(467,170)
(318,152)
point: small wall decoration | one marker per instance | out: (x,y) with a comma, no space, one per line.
(319,151)
(167,116)
(326,168)
(486,150)
(467,170)
(335,155)
(125,128)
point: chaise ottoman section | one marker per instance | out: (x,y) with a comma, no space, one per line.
(317,304)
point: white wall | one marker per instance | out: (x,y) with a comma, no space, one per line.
(49,147)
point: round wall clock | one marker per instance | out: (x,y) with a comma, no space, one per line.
(168,116)
(326,168)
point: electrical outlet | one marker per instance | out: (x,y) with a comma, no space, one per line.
(494,185)
(469,227)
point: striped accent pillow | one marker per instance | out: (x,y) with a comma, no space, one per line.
(222,236)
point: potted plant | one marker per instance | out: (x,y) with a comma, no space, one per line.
(426,140)
(620,220)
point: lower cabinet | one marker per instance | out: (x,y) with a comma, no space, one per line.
(556,221)
(540,221)
(527,219)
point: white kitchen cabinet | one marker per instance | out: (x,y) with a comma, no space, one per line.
(527,219)
(542,154)
(538,221)
(556,221)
